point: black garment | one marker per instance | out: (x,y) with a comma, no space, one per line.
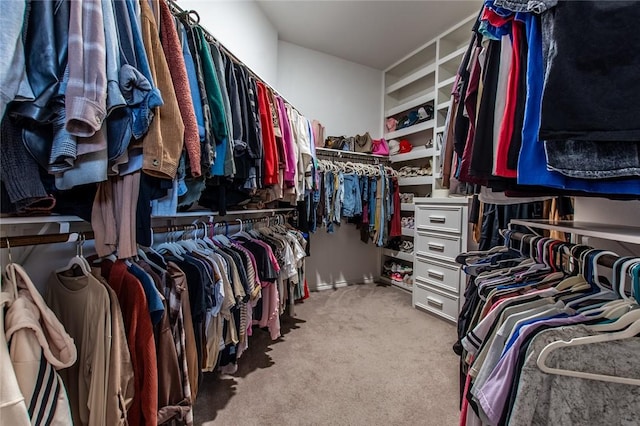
(266,271)
(592,54)
(240,261)
(46,46)
(20,175)
(303,224)
(498,217)
(482,154)
(197,303)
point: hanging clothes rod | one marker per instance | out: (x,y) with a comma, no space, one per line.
(35,240)
(177,10)
(335,154)
(606,260)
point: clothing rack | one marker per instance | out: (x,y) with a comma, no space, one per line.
(339,155)
(177,10)
(34,240)
(606,260)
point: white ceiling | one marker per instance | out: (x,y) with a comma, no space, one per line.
(372,33)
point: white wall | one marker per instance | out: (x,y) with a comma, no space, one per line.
(242,28)
(610,212)
(346,98)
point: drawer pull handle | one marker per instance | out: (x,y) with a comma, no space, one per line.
(437,219)
(435,274)
(438,304)
(436,247)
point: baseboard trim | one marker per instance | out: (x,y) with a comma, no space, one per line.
(343,283)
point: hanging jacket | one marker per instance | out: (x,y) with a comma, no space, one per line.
(12,55)
(46,46)
(13,409)
(172,48)
(39,346)
(163,144)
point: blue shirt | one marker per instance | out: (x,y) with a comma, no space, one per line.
(154,299)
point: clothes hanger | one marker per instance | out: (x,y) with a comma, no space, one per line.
(77,261)
(617,307)
(171,247)
(601,292)
(11,275)
(631,331)
(578,280)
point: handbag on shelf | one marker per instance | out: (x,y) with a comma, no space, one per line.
(380,147)
(363,143)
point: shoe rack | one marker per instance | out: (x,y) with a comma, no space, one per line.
(424,78)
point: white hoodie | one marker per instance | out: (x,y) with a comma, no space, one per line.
(39,346)
(13,410)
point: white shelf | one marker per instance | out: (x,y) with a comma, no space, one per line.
(408,232)
(446,82)
(30,220)
(415,180)
(339,152)
(423,72)
(416,128)
(453,55)
(200,213)
(398,284)
(8,221)
(408,257)
(444,105)
(627,234)
(407,207)
(415,154)
(440,129)
(420,100)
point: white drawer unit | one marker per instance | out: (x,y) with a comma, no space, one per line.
(437,274)
(439,246)
(439,219)
(441,234)
(441,303)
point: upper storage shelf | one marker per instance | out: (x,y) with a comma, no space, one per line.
(418,65)
(455,41)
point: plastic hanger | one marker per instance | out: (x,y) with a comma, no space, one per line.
(579,280)
(171,248)
(594,280)
(631,331)
(11,275)
(77,260)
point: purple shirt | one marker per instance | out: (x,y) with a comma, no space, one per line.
(493,395)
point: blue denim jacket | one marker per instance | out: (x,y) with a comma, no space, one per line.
(143,111)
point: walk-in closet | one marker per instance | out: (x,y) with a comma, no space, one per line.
(259,212)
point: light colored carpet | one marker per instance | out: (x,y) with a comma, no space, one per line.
(359,355)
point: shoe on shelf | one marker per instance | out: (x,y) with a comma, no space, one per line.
(406,247)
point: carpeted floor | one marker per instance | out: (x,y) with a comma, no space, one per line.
(359,355)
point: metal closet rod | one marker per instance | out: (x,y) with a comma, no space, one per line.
(349,156)
(606,260)
(178,10)
(35,240)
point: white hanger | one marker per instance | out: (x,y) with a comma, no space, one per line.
(171,248)
(11,275)
(604,292)
(632,331)
(77,260)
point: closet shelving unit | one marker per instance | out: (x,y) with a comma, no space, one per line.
(423,77)
(578,230)
(17,226)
